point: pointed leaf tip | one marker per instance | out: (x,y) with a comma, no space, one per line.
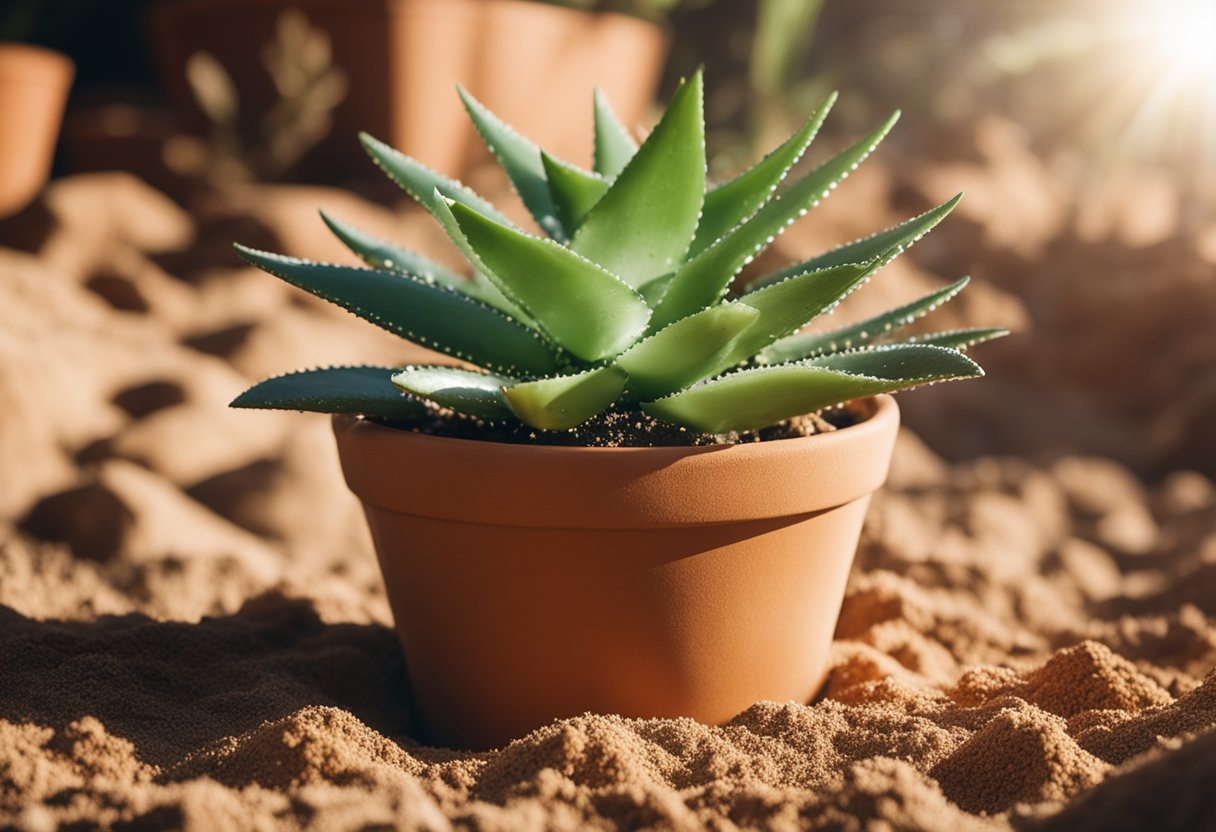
(643,224)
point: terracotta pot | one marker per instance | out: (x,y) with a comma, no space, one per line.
(530,584)
(34,86)
(402,59)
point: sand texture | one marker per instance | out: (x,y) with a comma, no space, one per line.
(193,633)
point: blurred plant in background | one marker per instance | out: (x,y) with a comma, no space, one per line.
(655,10)
(309,86)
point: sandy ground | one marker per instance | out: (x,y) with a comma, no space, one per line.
(193,633)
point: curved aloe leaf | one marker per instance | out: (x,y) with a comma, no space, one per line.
(426,314)
(787,306)
(703,280)
(520,158)
(729,204)
(752,399)
(642,226)
(422,183)
(582,307)
(574,191)
(810,344)
(380,254)
(614,147)
(385,256)
(565,402)
(916,363)
(473,394)
(686,351)
(959,339)
(902,236)
(366,390)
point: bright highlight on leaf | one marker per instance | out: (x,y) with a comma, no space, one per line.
(624,306)
(474,394)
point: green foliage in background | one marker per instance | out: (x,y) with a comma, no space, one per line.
(627,301)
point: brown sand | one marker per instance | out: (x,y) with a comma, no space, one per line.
(193,633)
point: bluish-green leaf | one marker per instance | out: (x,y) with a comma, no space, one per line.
(763,396)
(614,147)
(366,390)
(915,363)
(566,402)
(427,314)
(959,339)
(386,256)
(582,307)
(520,158)
(473,394)
(810,344)
(642,226)
(422,183)
(902,237)
(729,204)
(703,280)
(574,191)
(685,352)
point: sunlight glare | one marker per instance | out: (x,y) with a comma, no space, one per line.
(1188,35)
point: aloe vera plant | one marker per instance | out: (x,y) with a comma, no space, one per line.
(627,304)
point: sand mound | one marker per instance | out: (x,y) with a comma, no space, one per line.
(193,632)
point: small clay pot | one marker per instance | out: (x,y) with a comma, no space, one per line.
(535,583)
(34,84)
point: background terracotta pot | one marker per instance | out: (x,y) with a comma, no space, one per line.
(403,57)
(34,86)
(530,584)
(537,66)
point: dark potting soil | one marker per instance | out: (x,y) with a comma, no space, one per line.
(617,428)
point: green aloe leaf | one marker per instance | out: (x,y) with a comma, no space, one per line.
(473,394)
(652,291)
(729,204)
(915,363)
(902,236)
(574,191)
(761,396)
(959,339)
(366,390)
(422,183)
(566,402)
(426,314)
(582,307)
(703,280)
(386,256)
(521,159)
(788,306)
(642,226)
(810,344)
(686,351)
(614,147)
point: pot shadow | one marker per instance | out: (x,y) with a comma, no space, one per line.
(173,687)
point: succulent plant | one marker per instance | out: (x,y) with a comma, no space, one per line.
(627,305)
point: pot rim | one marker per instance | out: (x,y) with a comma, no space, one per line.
(25,63)
(576,487)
